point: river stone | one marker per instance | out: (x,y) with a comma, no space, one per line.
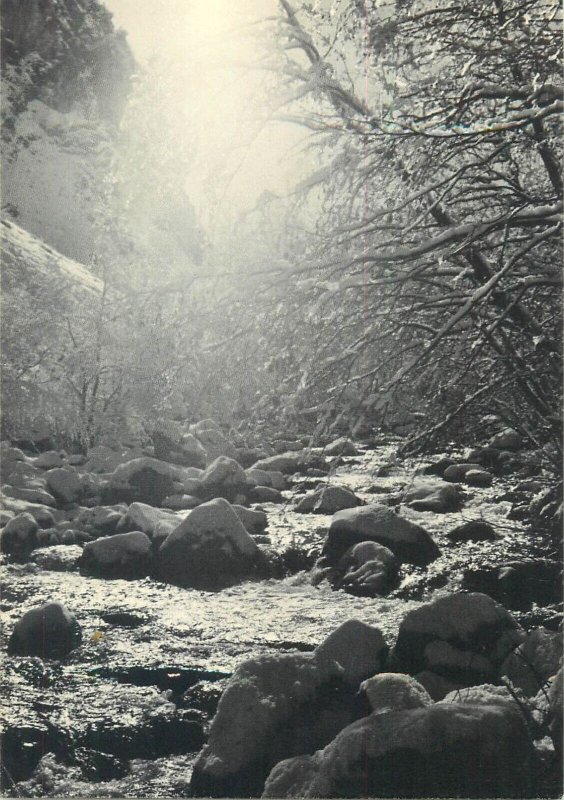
(507,439)
(368,569)
(456,473)
(254,521)
(209,550)
(358,648)
(434,496)
(181,502)
(534,661)
(327,500)
(379,523)
(99,520)
(341,447)
(273,707)
(32,495)
(393,691)
(19,473)
(457,664)
(470,623)
(155,522)
(123,555)
(479,478)
(215,444)
(19,536)
(50,631)
(41,514)
(64,484)
(473,531)
(224,475)
(286,463)
(454,750)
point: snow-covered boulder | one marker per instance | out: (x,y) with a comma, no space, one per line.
(155,522)
(442,750)
(465,637)
(274,707)
(143,479)
(50,631)
(123,555)
(327,500)
(209,550)
(379,523)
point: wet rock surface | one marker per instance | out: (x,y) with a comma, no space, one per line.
(127,710)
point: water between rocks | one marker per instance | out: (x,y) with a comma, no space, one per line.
(145,643)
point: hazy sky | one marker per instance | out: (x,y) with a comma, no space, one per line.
(201,39)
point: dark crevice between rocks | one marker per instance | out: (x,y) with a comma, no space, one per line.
(174,679)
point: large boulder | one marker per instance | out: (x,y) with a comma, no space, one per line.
(215,444)
(30,494)
(379,523)
(358,648)
(507,439)
(437,496)
(142,479)
(393,691)
(341,447)
(209,550)
(327,499)
(534,661)
(124,555)
(19,536)
(50,631)
(286,463)
(99,520)
(465,637)
(454,750)
(274,707)
(64,484)
(172,443)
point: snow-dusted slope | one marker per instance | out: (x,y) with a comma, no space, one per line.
(25,259)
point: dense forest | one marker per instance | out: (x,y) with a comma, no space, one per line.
(281,457)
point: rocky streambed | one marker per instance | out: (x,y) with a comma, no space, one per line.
(128,708)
